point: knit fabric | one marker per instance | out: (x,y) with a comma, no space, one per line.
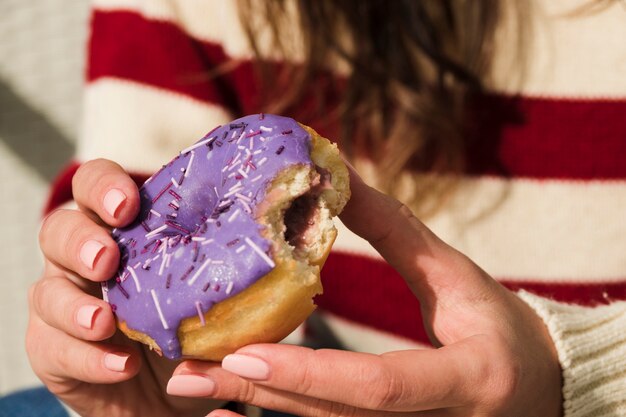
(540,207)
(591,344)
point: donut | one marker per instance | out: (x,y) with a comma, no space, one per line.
(230,239)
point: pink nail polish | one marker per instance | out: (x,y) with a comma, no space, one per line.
(89,252)
(85,315)
(246,366)
(190,386)
(116,361)
(113,200)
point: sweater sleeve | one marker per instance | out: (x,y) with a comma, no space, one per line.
(591,344)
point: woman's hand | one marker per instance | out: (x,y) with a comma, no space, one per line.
(72,342)
(495,356)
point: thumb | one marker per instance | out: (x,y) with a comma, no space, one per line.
(433,270)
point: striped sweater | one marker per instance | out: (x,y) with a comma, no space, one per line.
(540,207)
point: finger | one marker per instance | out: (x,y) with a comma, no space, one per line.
(200,379)
(104,187)
(409,380)
(62,305)
(59,357)
(223,413)
(70,239)
(430,266)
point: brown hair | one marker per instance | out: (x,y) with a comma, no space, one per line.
(411,66)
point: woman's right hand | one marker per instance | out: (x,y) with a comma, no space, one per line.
(72,341)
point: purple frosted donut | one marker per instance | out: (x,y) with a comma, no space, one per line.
(227,231)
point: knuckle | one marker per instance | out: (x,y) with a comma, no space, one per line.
(303,380)
(387,389)
(32,288)
(502,371)
(337,409)
(48,225)
(36,293)
(247,394)
(87,168)
(30,342)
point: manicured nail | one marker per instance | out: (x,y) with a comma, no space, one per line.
(113,200)
(246,366)
(85,316)
(116,361)
(89,252)
(190,386)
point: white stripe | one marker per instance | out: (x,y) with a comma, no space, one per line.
(128,137)
(524,229)
(591,43)
(208,20)
(572,56)
(358,337)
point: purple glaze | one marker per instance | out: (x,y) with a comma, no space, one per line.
(204,224)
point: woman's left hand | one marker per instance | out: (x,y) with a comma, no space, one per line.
(494,356)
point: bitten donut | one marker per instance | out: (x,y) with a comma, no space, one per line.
(230,239)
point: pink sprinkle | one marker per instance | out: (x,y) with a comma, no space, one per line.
(145,226)
(177,227)
(123,291)
(186,274)
(175,195)
(161,192)
(249,135)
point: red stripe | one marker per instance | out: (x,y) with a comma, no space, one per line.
(125,45)
(160,54)
(547,138)
(372,293)
(507,137)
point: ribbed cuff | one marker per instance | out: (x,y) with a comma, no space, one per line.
(591,344)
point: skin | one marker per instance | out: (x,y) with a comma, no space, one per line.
(493,355)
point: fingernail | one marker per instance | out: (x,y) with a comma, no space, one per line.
(116,361)
(246,366)
(190,386)
(113,200)
(89,252)
(85,316)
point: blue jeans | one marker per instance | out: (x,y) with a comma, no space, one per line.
(39,402)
